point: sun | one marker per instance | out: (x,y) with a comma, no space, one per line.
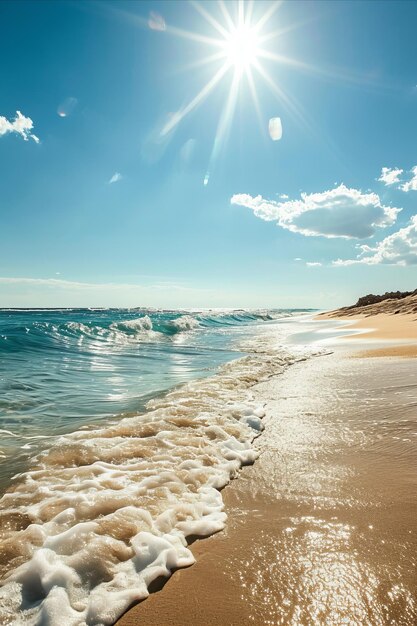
(241,48)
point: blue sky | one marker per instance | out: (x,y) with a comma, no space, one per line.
(103,90)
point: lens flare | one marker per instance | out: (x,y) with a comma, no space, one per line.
(275,128)
(67,106)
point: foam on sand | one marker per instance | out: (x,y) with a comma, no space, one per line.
(106,511)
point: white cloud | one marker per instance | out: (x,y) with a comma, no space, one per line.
(390,175)
(21,125)
(313,264)
(130,288)
(115,178)
(411,185)
(54,282)
(400,248)
(339,212)
(115,288)
(298,258)
(152,292)
(283,196)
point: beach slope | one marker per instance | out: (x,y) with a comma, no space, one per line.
(391,321)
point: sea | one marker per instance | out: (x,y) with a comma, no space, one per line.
(118,429)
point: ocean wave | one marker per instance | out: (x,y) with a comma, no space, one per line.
(105,512)
(184,323)
(115,327)
(157,329)
(242,316)
(135,325)
(120,330)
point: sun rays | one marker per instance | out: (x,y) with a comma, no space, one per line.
(240,46)
(235,39)
(238,42)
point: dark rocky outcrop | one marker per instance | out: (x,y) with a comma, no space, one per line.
(391,303)
(388,295)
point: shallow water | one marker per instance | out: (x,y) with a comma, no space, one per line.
(62,369)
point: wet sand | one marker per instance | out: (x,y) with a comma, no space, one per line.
(322,529)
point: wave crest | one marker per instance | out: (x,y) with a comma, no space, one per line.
(138,324)
(184,323)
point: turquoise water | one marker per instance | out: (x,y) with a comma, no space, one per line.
(64,368)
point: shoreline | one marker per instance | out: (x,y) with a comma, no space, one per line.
(321,505)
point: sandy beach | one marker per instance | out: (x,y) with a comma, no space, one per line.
(322,528)
(393,322)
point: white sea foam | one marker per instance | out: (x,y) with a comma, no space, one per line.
(185,322)
(105,512)
(76,327)
(131,331)
(135,325)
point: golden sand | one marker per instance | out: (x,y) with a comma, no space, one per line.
(403,351)
(390,321)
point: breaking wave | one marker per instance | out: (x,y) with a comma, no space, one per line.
(151,325)
(137,324)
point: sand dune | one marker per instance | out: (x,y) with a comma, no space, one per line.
(393,320)
(390,306)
